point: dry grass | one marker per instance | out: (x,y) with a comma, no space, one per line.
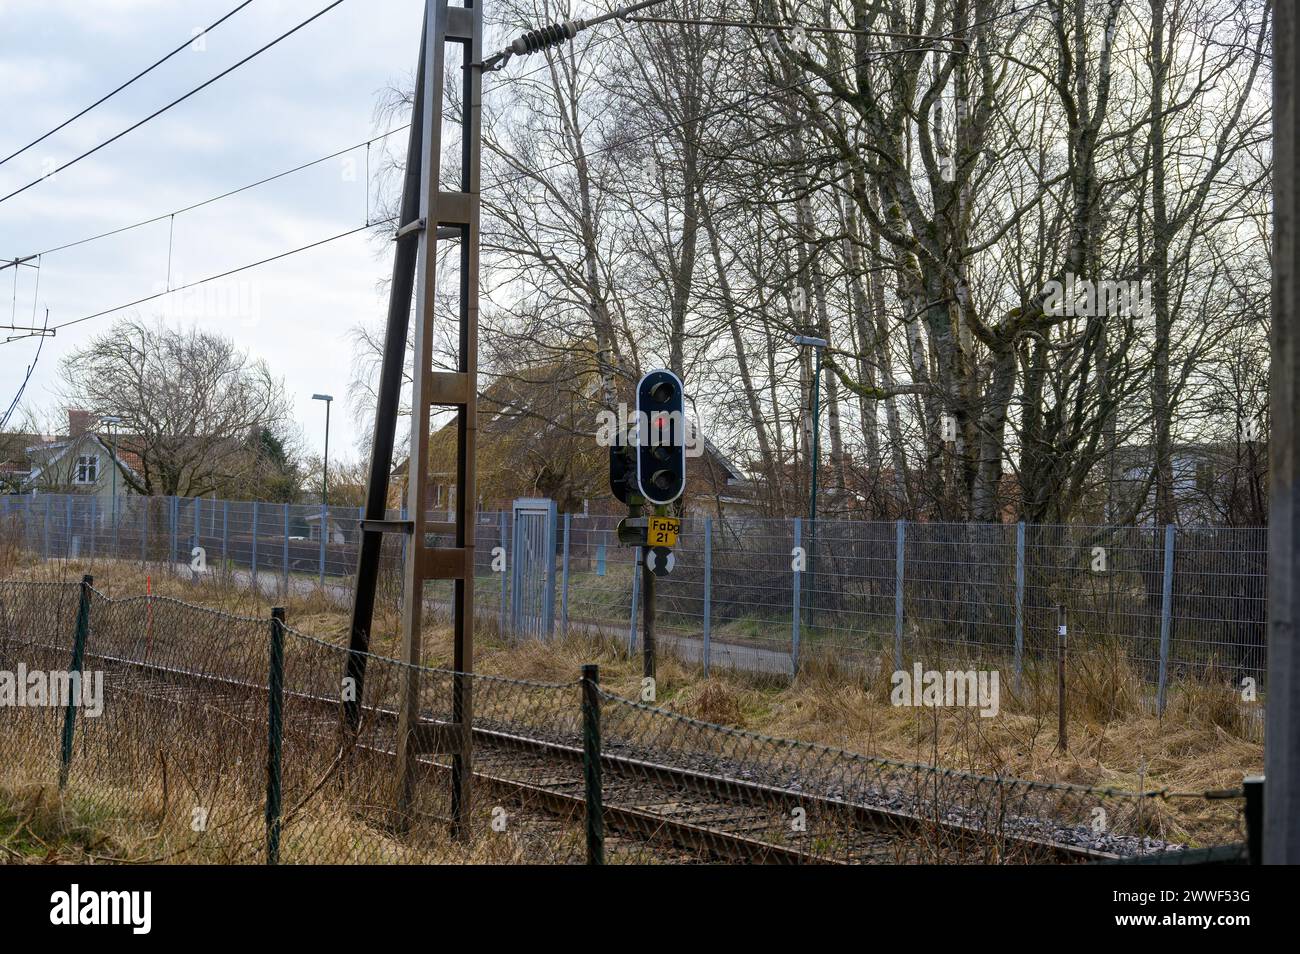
(1115,740)
(150,819)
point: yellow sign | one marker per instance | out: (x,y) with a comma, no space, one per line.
(663,531)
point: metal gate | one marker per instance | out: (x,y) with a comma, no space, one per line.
(532,574)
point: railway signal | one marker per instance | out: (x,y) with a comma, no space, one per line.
(661,437)
(648,477)
(620,472)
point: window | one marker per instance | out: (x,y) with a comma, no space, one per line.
(87,469)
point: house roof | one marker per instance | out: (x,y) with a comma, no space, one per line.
(55,451)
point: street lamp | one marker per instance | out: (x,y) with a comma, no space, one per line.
(325,475)
(817,344)
(111,421)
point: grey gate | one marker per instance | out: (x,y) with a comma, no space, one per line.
(532,568)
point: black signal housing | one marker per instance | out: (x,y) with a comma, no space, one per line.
(661,437)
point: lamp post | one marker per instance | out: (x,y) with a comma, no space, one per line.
(817,344)
(325,474)
(111,421)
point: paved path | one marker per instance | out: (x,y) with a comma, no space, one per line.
(689,649)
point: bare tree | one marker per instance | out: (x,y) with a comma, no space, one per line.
(197,411)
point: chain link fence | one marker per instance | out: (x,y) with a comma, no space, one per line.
(1161,614)
(147,729)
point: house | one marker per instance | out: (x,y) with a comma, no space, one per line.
(82,461)
(1212,483)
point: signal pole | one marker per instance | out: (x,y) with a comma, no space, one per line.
(648,477)
(647,616)
(1282,732)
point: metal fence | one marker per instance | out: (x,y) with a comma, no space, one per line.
(206,737)
(1165,604)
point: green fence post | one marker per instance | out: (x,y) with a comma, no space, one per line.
(74,678)
(274,736)
(595,812)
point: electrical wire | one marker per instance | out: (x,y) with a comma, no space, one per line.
(367,143)
(744,101)
(4,421)
(753,25)
(112,93)
(737,104)
(225,274)
(223,195)
(177,101)
(530,174)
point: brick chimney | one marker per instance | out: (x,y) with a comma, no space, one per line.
(79,421)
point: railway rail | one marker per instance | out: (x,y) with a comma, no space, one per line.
(706,815)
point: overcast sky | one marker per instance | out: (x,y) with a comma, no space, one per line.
(311,95)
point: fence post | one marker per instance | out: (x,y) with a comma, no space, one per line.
(144,532)
(1253,785)
(900,537)
(284,553)
(90,527)
(324,529)
(225,537)
(176,518)
(74,679)
(794,597)
(253,556)
(198,517)
(503,525)
(45,544)
(1062,739)
(67,526)
(515,562)
(274,735)
(595,812)
(708,589)
(564,571)
(1020,601)
(1166,609)
(548,596)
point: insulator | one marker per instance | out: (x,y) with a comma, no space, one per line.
(551,35)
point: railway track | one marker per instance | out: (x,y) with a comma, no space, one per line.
(687,813)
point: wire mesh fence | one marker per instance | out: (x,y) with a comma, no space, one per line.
(146,729)
(1160,608)
(788,801)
